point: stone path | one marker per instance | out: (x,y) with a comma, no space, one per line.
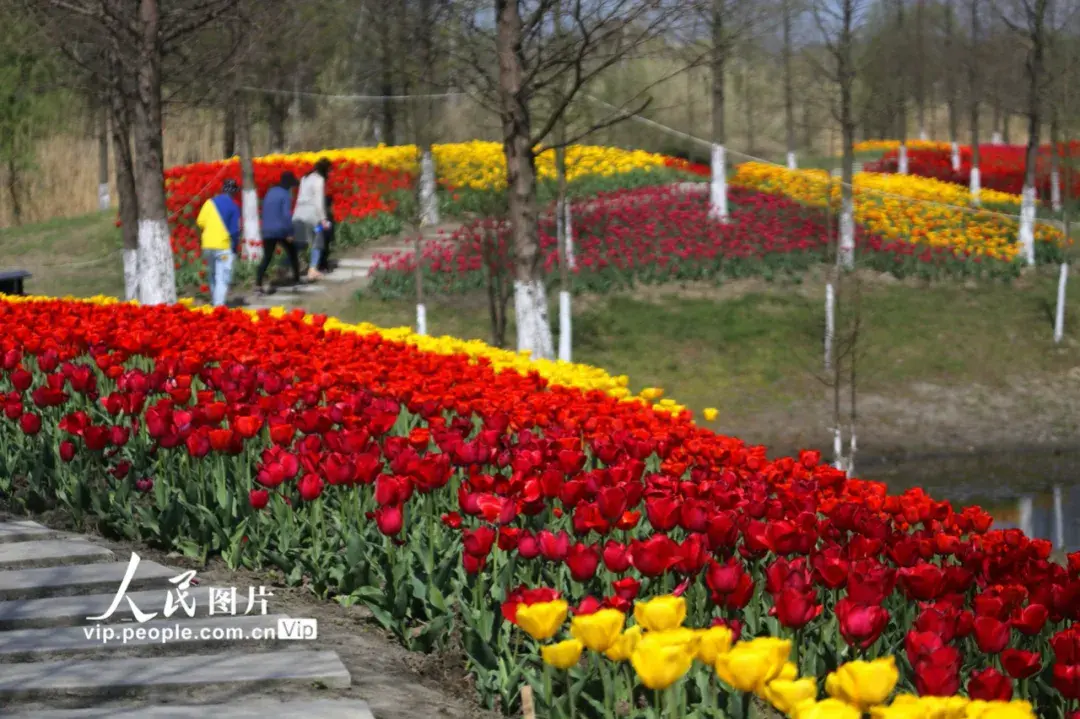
(54,663)
(351,269)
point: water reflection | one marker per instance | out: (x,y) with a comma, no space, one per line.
(1035,492)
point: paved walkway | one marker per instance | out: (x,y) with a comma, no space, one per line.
(352,269)
(54,663)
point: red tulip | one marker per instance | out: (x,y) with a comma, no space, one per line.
(990,685)
(830,569)
(655,556)
(861,625)
(1030,620)
(478,542)
(1067,680)
(389,519)
(923,581)
(582,560)
(67,450)
(258,498)
(21,380)
(724,578)
(30,423)
(920,645)
(616,557)
(992,635)
(627,588)
(796,608)
(1021,664)
(310,486)
(939,673)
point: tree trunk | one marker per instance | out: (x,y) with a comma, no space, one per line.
(228,149)
(973,93)
(748,108)
(276,113)
(120,126)
(718,209)
(530,296)
(1034,72)
(950,86)
(13,176)
(104,201)
(808,129)
(1055,160)
(846,72)
(789,93)
(901,101)
(157,283)
(996,136)
(250,195)
(429,200)
(920,68)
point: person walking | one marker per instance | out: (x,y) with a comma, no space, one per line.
(310,213)
(328,236)
(277,230)
(219,223)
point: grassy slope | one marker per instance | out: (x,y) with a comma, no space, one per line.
(938,364)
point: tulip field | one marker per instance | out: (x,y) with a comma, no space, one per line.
(603,548)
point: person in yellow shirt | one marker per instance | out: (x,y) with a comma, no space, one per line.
(219,223)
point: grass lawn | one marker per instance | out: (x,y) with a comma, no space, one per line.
(976,358)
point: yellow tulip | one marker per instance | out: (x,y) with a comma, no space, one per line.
(662,658)
(710,414)
(827,709)
(790,672)
(563,655)
(1016,709)
(749,666)
(661,613)
(543,619)
(600,630)
(787,695)
(713,642)
(863,684)
(624,646)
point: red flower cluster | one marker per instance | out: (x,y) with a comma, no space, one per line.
(422,483)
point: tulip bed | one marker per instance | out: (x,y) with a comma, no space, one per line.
(373,187)
(655,235)
(1001,167)
(472,499)
(918,210)
(894,145)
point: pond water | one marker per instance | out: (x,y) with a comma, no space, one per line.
(1037,491)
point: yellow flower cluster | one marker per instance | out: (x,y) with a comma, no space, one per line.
(904,208)
(886,145)
(480,165)
(661,651)
(566,374)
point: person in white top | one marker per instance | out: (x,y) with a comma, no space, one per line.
(310,213)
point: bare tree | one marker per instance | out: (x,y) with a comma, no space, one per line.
(950,83)
(789,92)
(1031,28)
(974,90)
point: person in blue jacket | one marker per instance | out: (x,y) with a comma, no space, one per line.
(277,229)
(219,223)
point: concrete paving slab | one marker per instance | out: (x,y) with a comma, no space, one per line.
(80,579)
(356,264)
(23,530)
(161,634)
(247,709)
(51,553)
(147,675)
(75,611)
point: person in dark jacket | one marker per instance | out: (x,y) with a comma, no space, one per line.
(277,229)
(328,236)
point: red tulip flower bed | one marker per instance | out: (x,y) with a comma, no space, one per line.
(365,197)
(659,234)
(1001,167)
(431,489)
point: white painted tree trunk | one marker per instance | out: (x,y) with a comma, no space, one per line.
(131,275)
(922,134)
(429,200)
(792,164)
(1025,510)
(955,156)
(1059,315)
(1055,190)
(830,324)
(1027,224)
(103,199)
(838,448)
(995,139)
(568,230)
(902,160)
(565,329)
(847,233)
(718,209)
(531,313)
(249,207)
(1059,519)
(974,186)
(157,282)
(421,319)
(851,454)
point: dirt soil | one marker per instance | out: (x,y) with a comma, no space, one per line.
(396,683)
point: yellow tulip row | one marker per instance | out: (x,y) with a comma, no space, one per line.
(904,208)
(480,165)
(661,651)
(886,145)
